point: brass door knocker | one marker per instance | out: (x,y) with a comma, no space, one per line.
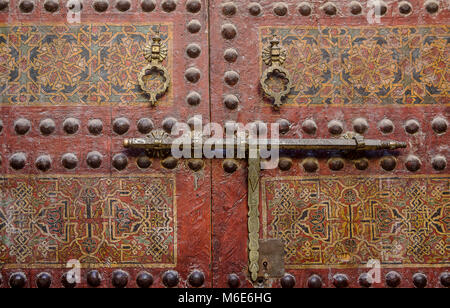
(275,56)
(155,53)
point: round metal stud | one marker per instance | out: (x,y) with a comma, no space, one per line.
(381,8)
(94,160)
(230,166)
(439,163)
(144,280)
(196,279)
(439,125)
(120,161)
(148,5)
(47,127)
(169,6)
(18,280)
(95,127)
(413,163)
(195,122)
(280,9)
(233,281)
(43,163)
(365,280)
(51,6)
(420,280)
(355,8)
(69,161)
(119,279)
(330,9)
(315,282)
(170,163)
(100,5)
(168,124)
(230,55)
(304,9)
(362,164)
(360,125)
(231,102)
(445,279)
(340,281)
(144,162)
(229,9)
(74,6)
(196,164)
(335,127)
(386,126)
(412,126)
(71,126)
(405,8)
(309,127)
(145,126)
(285,164)
(18,161)
(388,163)
(194,26)
(193,50)
(229,31)
(432,6)
(4,4)
(94,279)
(171,279)
(285,126)
(123,5)
(44,281)
(193,6)
(336,164)
(66,283)
(22,126)
(393,279)
(192,75)
(231,78)
(193,98)
(255,9)
(310,165)
(121,126)
(26,6)
(288,281)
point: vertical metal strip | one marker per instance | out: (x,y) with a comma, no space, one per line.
(254,169)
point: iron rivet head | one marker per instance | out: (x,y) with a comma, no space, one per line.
(196,279)
(230,55)
(123,5)
(412,126)
(94,160)
(445,279)
(439,125)
(193,50)
(230,166)
(393,279)
(231,102)
(169,6)
(285,126)
(148,5)
(233,281)
(229,31)
(288,281)
(315,282)
(69,161)
(17,280)
(26,6)
(196,164)
(231,78)
(405,8)
(229,9)
(95,127)
(255,9)
(4,4)
(51,6)
(121,126)
(360,125)
(44,281)
(120,161)
(71,126)
(365,280)
(380,8)
(362,164)
(144,280)
(335,127)
(439,163)
(194,26)
(193,6)
(168,124)
(171,279)
(18,161)
(192,75)
(386,126)
(330,9)
(285,164)
(74,6)
(310,165)
(420,280)
(170,163)
(100,5)
(66,283)
(432,6)
(144,162)
(193,98)
(340,281)
(413,163)
(94,279)
(304,9)
(355,8)
(47,127)
(145,126)
(119,279)
(280,9)
(309,127)
(43,163)
(22,126)
(336,164)
(388,163)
